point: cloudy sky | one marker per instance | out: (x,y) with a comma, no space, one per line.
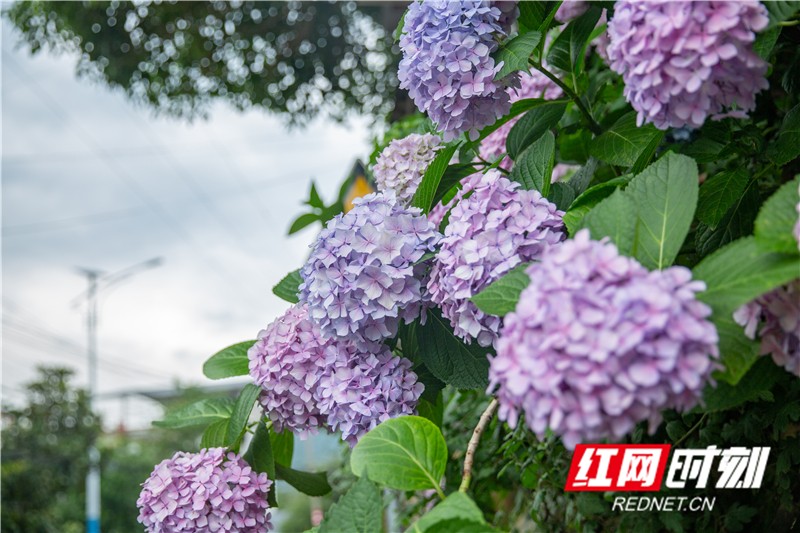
(90,180)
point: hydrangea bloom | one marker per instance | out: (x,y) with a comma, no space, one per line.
(597,343)
(509,12)
(489,232)
(571,10)
(362,390)
(287,362)
(401,165)
(361,278)
(447,64)
(685,61)
(205,491)
(779,311)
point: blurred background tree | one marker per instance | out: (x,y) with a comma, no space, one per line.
(294,59)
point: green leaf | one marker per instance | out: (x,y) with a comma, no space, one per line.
(241,412)
(457,506)
(535,166)
(405,453)
(718,194)
(426,191)
(759,379)
(229,362)
(532,126)
(786,146)
(302,221)
(561,194)
(517,108)
(624,143)
(569,49)
(531,14)
(765,42)
(263,457)
(737,352)
(360,510)
(515,53)
(737,222)
(311,483)
(647,153)
(288,287)
(214,435)
(741,272)
(448,358)
(282,446)
(314,199)
(780,11)
(583,177)
(199,413)
(615,218)
(433,411)
(452,176)
(777,218)
(500,297)
(665,195)
(590,198)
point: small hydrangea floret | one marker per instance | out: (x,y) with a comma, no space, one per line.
(401,165)
(683,62)
(495,228)
(206,491)
(597,344)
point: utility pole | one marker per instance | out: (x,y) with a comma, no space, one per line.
(95,278)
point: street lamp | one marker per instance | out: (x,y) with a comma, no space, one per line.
(98,280)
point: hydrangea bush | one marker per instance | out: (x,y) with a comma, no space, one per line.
(464,328)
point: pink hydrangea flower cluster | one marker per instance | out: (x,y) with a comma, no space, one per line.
(491,231)
(685,61)
(597,344)
(310,381)
(401,165)
(202,492)
(778,313)
(447,63)
(363,275)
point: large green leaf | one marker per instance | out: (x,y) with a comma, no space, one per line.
(534,169)
(615,218)
(737,222)
(757,383)
(262,456)
(515,53)
(719,193)
(241,412)
(787,145)
(517,108)
(457,506)
(781,10)
(532,126)
(448,358)
(288,287)
(777,218)
(531,14)
(561,194)
(311,483)
(427,188)
(590,198)
(742,271)
(737,351)
(452,176)
(229,362)
(360,510)
(199,413)
(665,195)
(282,446)
(623,143)
(569,49)
(501,296)
(214,435)
(405,453)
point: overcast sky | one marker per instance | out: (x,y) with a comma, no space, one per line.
(90,180)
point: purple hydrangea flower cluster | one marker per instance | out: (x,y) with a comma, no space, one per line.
(571,10)
(205,491)
(401,165)
(287,362)
(447,64)
(310,381)
(491,231)
(361,390)
(779,313)
(597,344)
(684,61)
(509,13)
(362,277)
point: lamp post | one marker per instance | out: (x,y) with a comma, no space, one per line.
(97,280)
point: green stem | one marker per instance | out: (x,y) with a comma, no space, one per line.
(486,417)
(691,430)
(593,125)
